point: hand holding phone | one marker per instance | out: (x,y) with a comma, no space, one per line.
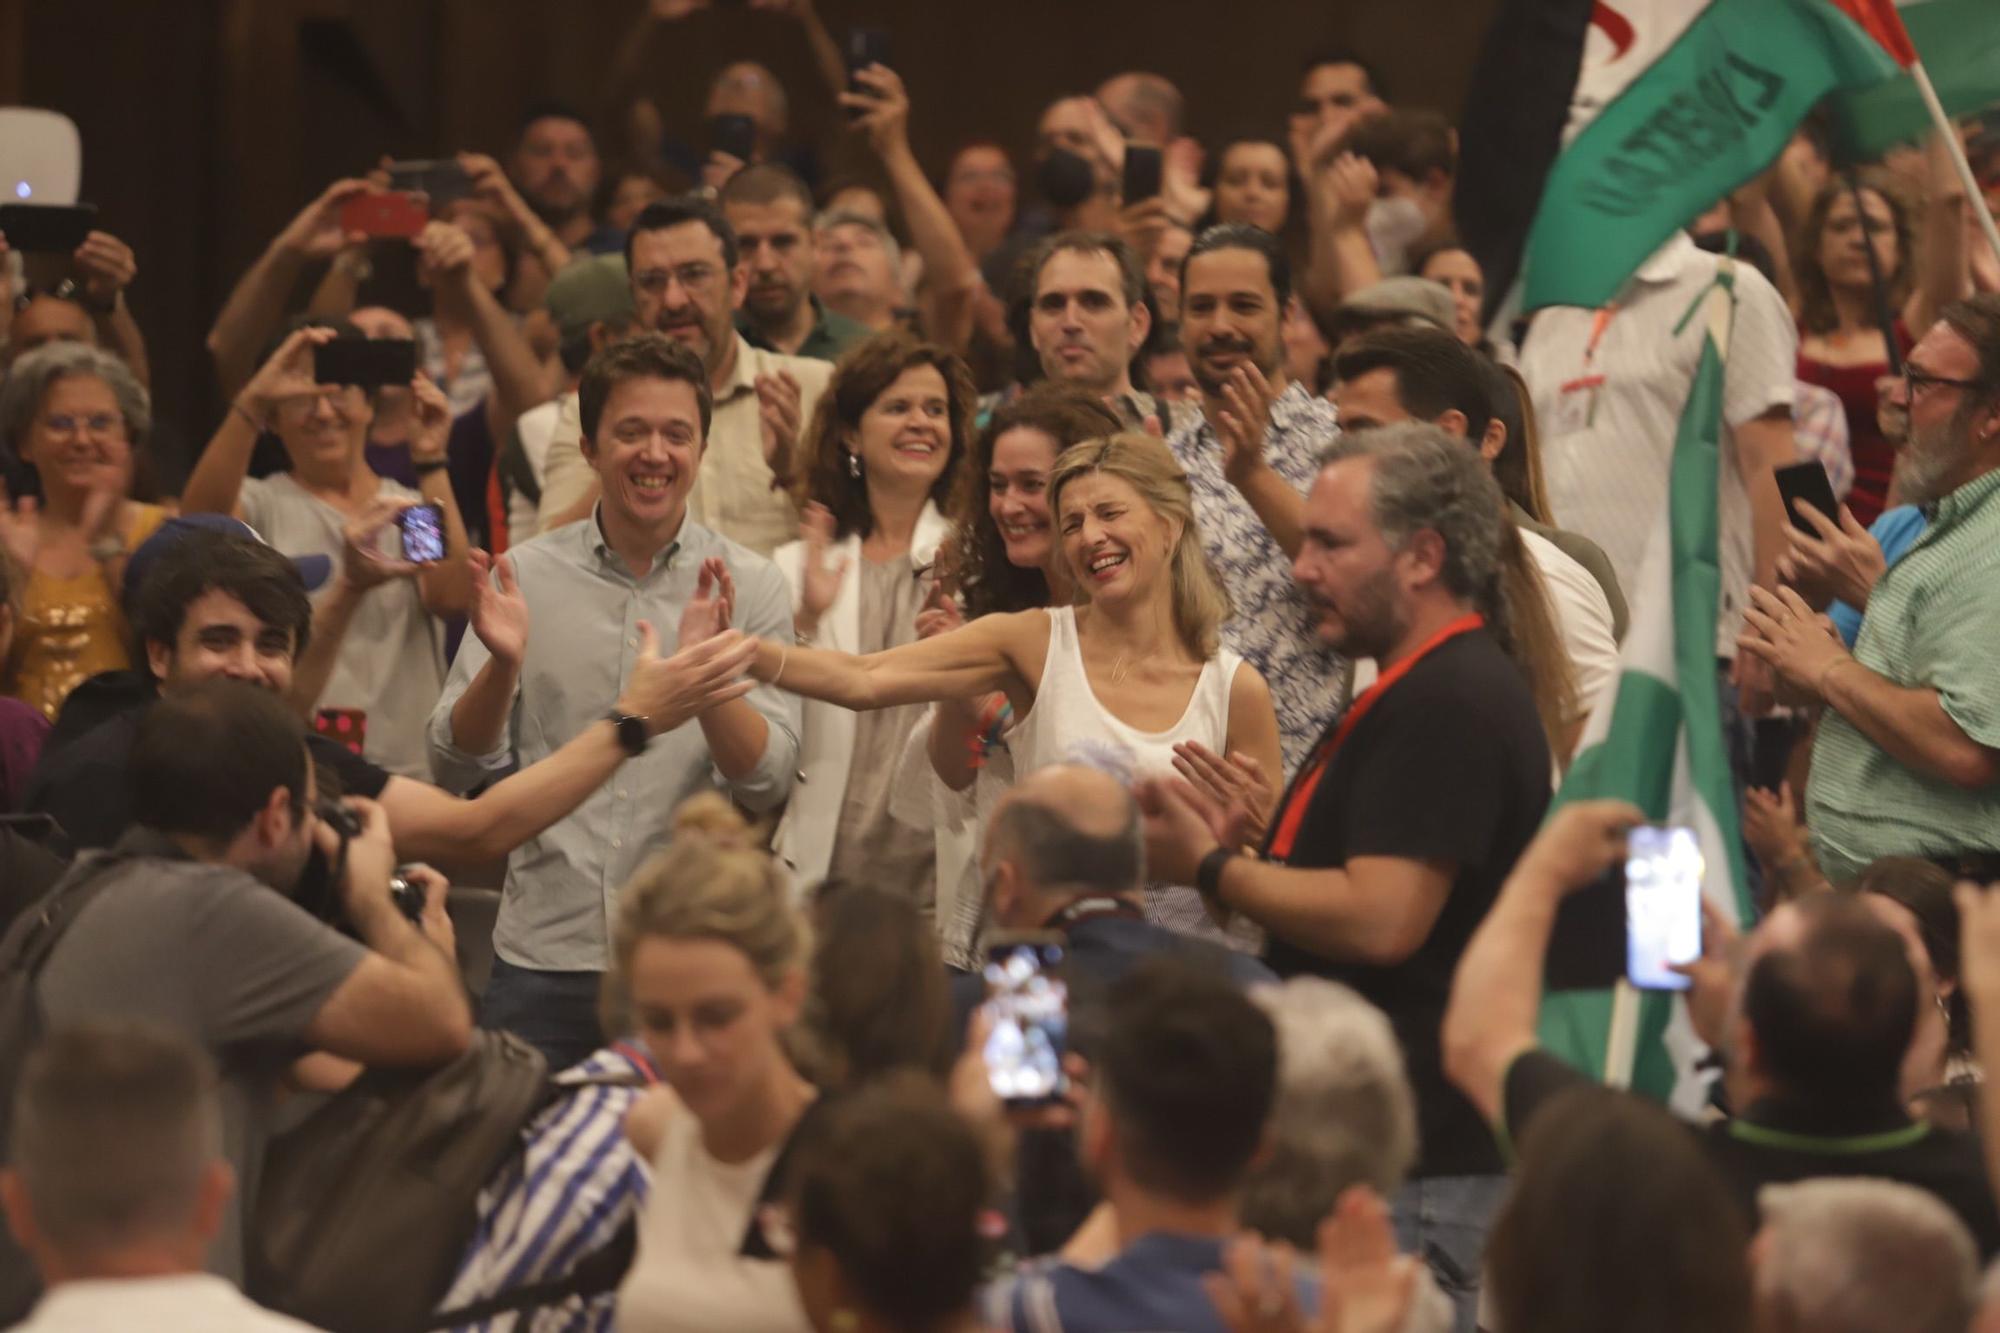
(1142,173)
(47,228)
(385,213)
(733,135)
(865,47)
(1028,1003)
(422,527)
(367,362)
(1806,481)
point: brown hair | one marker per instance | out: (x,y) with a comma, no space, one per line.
(712,881)
(1535,640)
(1615,1188)
(864,374)
(975,559)
(1131,272)
(1143,462)
(879,1000)
(1816,312)
(642,356)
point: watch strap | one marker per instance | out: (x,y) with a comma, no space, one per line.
(1208,875)
(631,731)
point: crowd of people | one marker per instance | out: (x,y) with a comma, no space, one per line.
(770,593)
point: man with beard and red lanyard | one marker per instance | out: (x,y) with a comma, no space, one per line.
(1393,840)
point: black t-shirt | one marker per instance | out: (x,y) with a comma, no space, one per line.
(1450,764)
(87,785)
(1776,1143)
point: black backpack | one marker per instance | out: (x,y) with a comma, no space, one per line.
(24,951)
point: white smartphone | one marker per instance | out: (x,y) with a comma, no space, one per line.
(1663,872)
(1029,1003)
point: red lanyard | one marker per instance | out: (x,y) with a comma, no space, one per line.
(1280,845)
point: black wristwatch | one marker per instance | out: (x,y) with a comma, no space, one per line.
(631,731)
(1208,875)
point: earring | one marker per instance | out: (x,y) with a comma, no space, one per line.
(854,466)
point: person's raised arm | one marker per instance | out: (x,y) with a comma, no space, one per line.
(257,303)
(499,622)
(1945,274)
(405,1004)
(1496,996)
(363,567)
(984,656)
(951,274)
(216,484)
(1340,257)
(444,585)
(105,267)
(1242,429)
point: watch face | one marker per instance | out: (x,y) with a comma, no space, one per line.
(631,732)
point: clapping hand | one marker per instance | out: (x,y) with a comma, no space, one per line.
(779,412)
(1243,424)
(1365,1285)
(941,614)
(713,606)
(1236,786)
(499,613)
(670,691)
(822,572)
(1800,646)
(20,528)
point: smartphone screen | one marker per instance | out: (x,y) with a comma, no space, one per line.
(423,533)
(1029,1004)
(440,180)
(1806,481)
(1663,870)
(734,135)
(1142,172)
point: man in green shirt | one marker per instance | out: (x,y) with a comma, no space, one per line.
(771,210)
(1908,755)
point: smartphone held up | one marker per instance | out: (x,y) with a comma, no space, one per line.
(1028,1003)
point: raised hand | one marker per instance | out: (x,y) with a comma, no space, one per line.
(20,528)
(821,575)
(1236,786)
(1771,825)
(1366,1286)
(316,233)
(709,612)
(498,612)
(1838,561)
(669,691)
(104,266)
(884,108)
(779,412)
(1181,827)
(1180,181)
(1349,184)
(1243,424)
(941,612)
(490,183)
(444,249)
(288,374)
(433,414)
(1578,844)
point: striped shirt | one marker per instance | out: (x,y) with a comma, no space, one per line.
(1609,387)
(1932,624)
(1270,625)
(574,1185)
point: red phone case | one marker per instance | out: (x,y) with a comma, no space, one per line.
(388,214)
(345,726)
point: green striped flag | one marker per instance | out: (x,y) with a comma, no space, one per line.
(1657,740)
(1959,43)
(1697,97)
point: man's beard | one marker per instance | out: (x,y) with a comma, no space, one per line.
(1213,384)
(1930,456)
(1370,623)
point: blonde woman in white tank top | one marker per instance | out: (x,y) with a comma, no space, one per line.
(1137,662)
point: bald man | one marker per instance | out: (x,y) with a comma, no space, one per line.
(1064,853)
(1146,106)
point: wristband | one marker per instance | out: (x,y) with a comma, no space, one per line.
(424,467)
(247,415)
(1208,875)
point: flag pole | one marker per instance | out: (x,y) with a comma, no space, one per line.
(1621,1039)
(1878,282)
(1973,195)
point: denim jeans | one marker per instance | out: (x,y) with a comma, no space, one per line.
(1444,1219)
(555,1012)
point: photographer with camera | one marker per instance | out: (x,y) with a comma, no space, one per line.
(182,927)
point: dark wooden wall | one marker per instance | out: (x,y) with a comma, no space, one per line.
(207,123)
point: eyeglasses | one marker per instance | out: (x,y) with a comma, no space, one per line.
(98,423)
(692,278)
(1916,381)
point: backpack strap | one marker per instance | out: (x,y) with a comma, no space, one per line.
(596,1273)
(33,938)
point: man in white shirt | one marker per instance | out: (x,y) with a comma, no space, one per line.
(1609,387)
(1408,373)
(119,1184)
(687,284)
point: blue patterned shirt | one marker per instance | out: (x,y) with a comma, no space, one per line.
(1272,626)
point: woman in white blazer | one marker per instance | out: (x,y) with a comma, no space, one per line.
(881,457)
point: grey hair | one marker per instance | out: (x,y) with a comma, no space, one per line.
(1344,1113)
(1427,479)
(847,217)
(1857,1255)
(30,378)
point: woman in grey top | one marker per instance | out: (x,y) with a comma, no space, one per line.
(879,460)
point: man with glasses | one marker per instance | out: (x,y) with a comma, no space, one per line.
(687,284)
(1907,759)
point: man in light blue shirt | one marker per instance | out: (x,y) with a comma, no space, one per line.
(595,592)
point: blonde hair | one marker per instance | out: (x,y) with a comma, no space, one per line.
(712,882)
(1148,467)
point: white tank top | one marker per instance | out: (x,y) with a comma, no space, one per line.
(1068,724)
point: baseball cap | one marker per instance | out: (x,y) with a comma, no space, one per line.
(587,291)
(314,570)
(1406,296)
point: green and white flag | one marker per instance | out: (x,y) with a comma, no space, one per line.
(1959,43)
(1657,739)
(1677,103)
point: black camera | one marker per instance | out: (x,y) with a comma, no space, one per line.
(408,897)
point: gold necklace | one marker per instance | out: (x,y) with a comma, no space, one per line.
(1118,676)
